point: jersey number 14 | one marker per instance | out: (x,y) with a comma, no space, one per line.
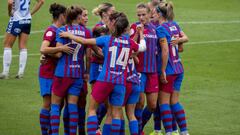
(121,59)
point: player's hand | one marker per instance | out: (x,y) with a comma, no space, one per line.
(140,28)
(86,77)
(65,34)
(67,49)
(163,78)
(43,59)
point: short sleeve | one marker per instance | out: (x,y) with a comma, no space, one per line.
(49,35)
(161,32)
(58,38)
(134,45)
(102,41)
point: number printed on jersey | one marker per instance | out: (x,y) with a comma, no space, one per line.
(119,59)
(24,5)
(75,53)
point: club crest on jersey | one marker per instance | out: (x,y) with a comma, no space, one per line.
(49,33)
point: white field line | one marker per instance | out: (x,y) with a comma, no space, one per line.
(213,42)
(190,43)
(190,22)
(211,22)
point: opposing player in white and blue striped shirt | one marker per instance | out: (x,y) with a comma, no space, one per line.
(19,26)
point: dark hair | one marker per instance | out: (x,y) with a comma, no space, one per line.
(56,10)
(102,8)
(143,5)
(121,23)
(166,10)
(72,13)
(99,31)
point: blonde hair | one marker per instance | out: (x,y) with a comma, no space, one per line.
(166,9)
(102,8)
(143,5)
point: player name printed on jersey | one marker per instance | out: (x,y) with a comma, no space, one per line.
(121,41)
(77,32)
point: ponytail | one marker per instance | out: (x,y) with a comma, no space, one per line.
(166,10)
(102,8)
(170,13)
(121,23)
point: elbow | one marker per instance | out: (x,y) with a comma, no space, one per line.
(42,51)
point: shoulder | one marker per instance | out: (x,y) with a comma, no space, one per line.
(88,32)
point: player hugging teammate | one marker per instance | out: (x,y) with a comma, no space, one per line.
(124,65)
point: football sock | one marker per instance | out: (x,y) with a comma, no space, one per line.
(73,118)
(55,119)
(7,59)
(115,127)
(22,61)
(133,126)
(166,116)
(44,121)
(92,125)
(179,114)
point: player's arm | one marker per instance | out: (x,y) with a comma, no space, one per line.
(183,37)
(81,40)
(10,4)
(58,54)
(37,6)
(45,49)
(142,45)
(164,47)
(88,57)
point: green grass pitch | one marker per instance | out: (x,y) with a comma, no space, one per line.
(210,91)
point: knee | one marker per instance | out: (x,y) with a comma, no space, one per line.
(140,105)
(174,99)
(152,106)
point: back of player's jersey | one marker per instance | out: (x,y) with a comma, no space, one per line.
(116,55)
(71,65)
(174,59)
(21,10)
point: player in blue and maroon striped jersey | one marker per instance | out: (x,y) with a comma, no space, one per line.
(171,73)
(48,63)
(68,78)
(147,61)
(111,81)
(83,95)
(103,11)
